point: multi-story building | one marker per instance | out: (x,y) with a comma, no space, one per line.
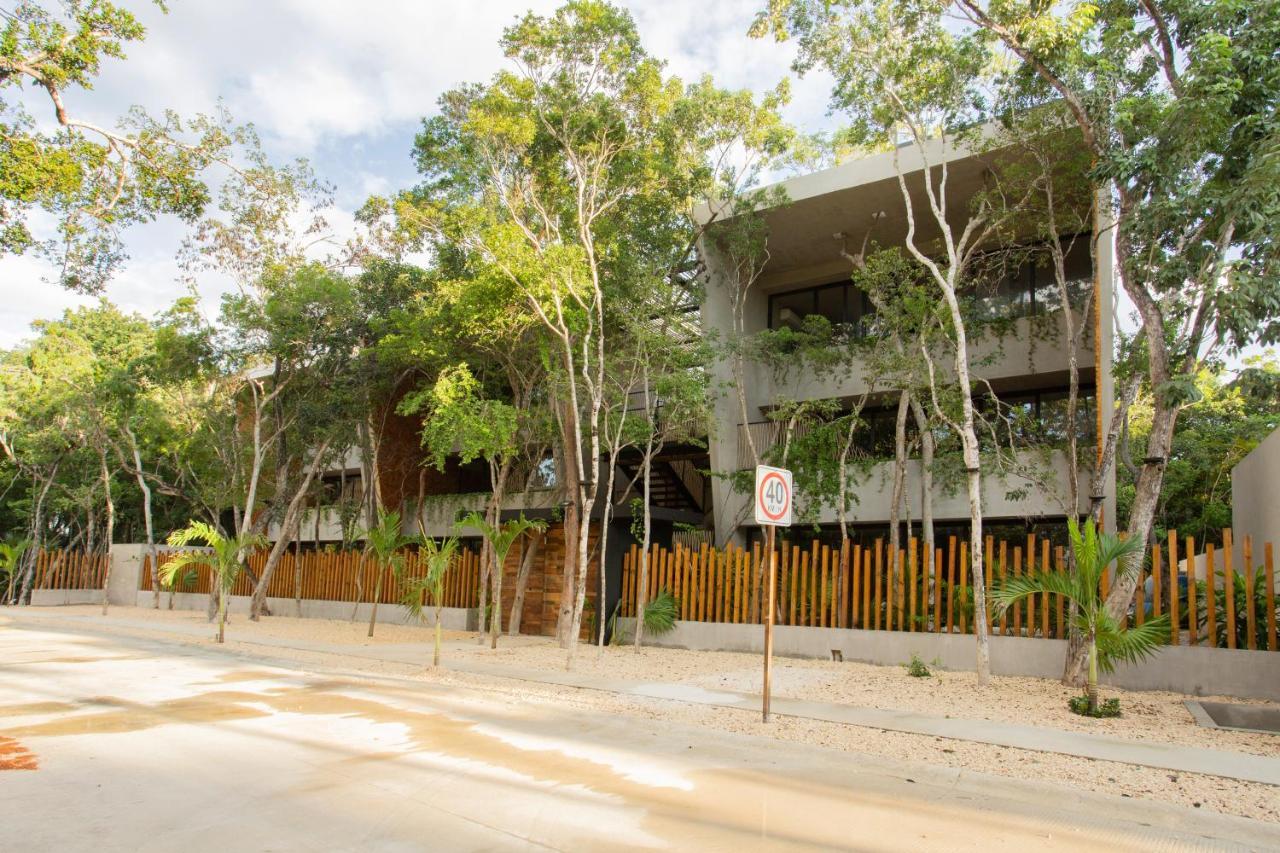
(825,218)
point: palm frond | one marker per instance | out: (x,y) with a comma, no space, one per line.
(178,562)
(1117,644)
(1013,589)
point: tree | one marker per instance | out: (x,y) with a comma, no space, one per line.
(500,538)
(900,69)
(438,560)
(225,559)
(93,180)
(1107,639)
(574,178)
(11,554)
(385,543)
(1230,416)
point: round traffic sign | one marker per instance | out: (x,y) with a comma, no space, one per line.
(774,496)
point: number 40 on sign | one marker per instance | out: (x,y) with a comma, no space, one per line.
(773,496)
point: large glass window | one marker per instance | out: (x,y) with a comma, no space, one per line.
(842,304)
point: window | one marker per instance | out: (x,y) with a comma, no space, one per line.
(1031,288)
(842,304)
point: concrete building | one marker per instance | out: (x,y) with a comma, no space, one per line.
(806,273)
(1255,493)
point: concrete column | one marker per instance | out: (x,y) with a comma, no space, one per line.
(126,573)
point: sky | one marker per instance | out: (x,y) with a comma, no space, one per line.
(346,86)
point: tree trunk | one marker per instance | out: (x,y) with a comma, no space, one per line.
(898,487)
(522,584)
(287,527)
(109,530)
(146,517)
(498,478)
(642,589)
(377,596)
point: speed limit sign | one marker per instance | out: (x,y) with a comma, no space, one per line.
(773,496)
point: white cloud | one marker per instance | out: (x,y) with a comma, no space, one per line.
(346,85)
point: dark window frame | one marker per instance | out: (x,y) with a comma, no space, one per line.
(847,287)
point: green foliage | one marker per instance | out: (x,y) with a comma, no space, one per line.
(661,613)
(916,668)
(1109,641)
(1080,705)
(1230,416)
(438,558)
(1240,592)
(11,554)
(225,558)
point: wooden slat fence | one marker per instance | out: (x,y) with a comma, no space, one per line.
(870,587)
(64,569)
(338,576)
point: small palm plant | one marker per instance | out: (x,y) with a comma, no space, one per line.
(500,539)
(11,554)
(1109,641)
(438,558)
(385,543)
(225,558)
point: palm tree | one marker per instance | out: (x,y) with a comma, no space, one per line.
(11,554)
(1109,641)
(385,543)
(500,539)
(438,557)
(225,558)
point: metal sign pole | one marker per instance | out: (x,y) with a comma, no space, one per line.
(768,621)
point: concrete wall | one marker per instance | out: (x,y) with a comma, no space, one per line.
(56,597)
(1197,671)
(451,618)
(1255,494)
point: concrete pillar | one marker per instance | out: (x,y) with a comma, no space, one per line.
(126,573)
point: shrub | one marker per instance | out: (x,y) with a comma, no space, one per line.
(1107,708)
(661,613)
(916,668)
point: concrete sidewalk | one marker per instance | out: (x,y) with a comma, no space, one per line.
(1184,759)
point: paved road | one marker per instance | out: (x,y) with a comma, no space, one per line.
(115,743)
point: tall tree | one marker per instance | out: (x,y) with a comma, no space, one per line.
(574,177)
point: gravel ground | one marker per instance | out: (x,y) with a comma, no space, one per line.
(1154,717)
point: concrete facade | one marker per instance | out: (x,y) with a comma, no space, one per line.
(1195,670)
(834,209)
(1255,494)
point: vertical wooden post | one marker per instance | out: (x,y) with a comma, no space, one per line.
(1061,631)
(1030,569)
(805,608)
(964,581)
(937,591)
(1044,599)
(1175,637)
(826,585)
(1250,611)
(768,624)
(875,602)
(1210,594)
(1228,586)
(1017,572)
(912,576)
(1193,611)
(1157,585)
(951,584)
(1003,570)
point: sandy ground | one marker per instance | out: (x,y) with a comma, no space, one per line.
(1154,717)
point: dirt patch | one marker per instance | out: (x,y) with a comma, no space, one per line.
(15,756)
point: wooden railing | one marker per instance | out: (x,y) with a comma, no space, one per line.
(868,587)
(335,576)
(64,569)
